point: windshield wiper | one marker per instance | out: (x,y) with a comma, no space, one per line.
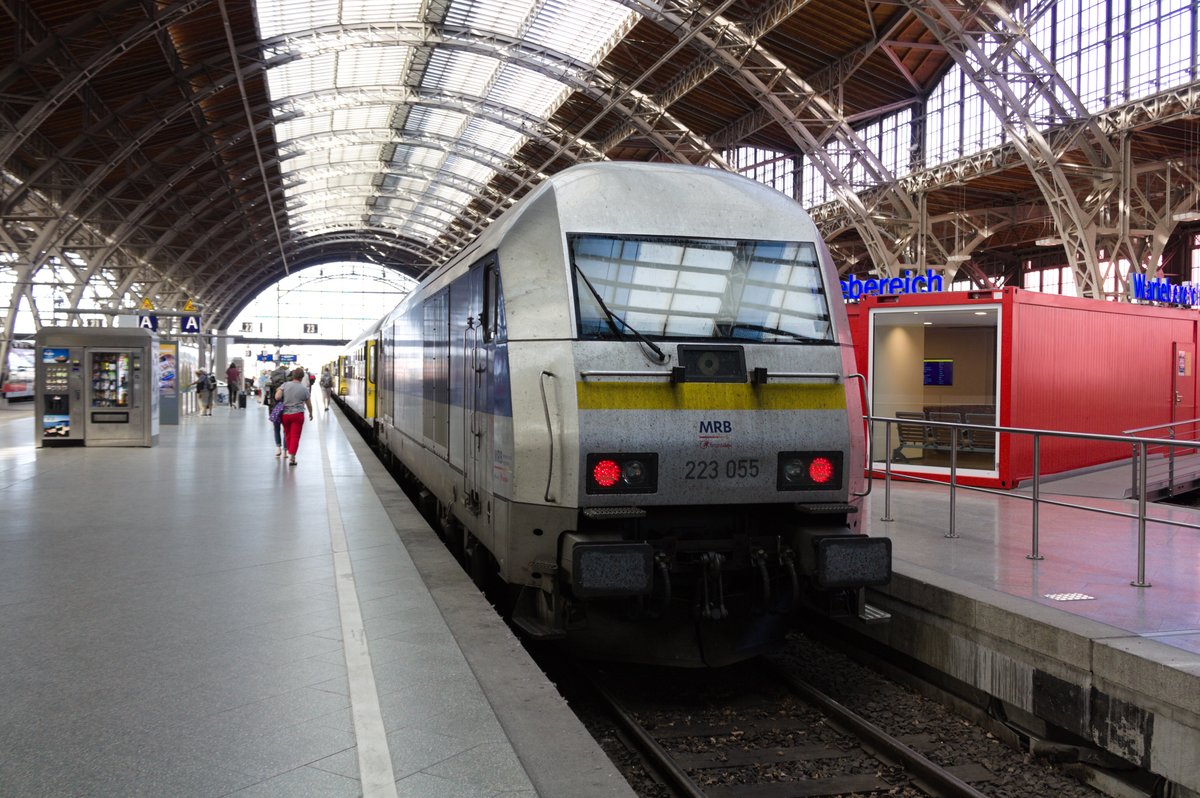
(613,317)
(738,325)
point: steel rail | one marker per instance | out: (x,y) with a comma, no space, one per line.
(658,757)
(924,772)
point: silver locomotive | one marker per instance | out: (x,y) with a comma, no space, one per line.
(629,401)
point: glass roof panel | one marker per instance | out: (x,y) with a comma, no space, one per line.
(302,76)
(435,120)
(374,66)
(471,170)
(528,91)
(336,146)
(499,16)
(277,17)
(451,194)
(584,30)
(363,117)
(493,136)
(432,213)
(459,73)
(382,11)
(303,126)
(417,156)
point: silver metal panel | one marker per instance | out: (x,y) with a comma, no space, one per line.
(749,439)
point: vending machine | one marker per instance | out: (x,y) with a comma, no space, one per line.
(97,387)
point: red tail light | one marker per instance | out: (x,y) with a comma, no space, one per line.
(606,473)
(820,470)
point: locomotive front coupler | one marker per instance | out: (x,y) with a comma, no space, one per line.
(712,587)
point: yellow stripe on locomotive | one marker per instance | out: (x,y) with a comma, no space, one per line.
(709,396)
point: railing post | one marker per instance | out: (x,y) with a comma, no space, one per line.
(1171,465)
(1037,490)
(1141,579)
(887,473)
(953,477)
(1133,487)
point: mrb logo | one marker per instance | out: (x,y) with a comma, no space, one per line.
(715,427)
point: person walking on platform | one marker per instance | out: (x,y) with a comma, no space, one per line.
(295,398)
(272,383)
(205,389)
(326,385)
(233,378)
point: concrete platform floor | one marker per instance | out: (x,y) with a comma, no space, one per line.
(200,619)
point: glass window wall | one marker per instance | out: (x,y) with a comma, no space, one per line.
(935,365)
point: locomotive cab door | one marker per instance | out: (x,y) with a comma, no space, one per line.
(476,390)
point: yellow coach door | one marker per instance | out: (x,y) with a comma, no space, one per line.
(369,410)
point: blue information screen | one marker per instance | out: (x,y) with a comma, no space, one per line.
(939,372)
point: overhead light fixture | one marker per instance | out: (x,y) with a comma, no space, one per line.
(928,324)
(957,258)
(1187,216)
(981,313)
(1048,242)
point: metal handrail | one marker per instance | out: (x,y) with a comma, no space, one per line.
(1161,426)
(1140,444)
(1167,443)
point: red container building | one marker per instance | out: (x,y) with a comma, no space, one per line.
(1018,358)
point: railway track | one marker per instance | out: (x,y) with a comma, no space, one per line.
(779,737)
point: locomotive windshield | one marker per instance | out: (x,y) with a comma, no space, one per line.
(768,291)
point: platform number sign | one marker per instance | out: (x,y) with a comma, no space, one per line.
(310,329)
(247,326)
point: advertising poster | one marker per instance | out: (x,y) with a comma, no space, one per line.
(56,426)
(54,355)
(19,382)
(168,376)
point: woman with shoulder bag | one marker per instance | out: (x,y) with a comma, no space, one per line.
(295,398)
(276,380)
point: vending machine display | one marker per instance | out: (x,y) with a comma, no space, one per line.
(58,366)
(110,379)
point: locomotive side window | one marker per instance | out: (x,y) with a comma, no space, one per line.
(491,301)
(436,382)
(761,291)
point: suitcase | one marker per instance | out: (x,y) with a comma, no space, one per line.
(242,400)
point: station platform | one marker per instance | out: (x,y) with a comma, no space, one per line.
(1065,641)
(200,619)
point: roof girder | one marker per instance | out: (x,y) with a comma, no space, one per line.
(887,218)
(963,31)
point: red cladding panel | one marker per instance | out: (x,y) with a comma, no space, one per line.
(1089,366)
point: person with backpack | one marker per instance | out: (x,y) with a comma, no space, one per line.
(326,385)
(274,382)
(206,389)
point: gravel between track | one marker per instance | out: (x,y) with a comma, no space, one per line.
(894,707)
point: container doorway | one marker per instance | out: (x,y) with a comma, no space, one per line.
(935,364)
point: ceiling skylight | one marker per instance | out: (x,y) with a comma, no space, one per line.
(388,120)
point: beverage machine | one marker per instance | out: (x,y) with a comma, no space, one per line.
(96,387)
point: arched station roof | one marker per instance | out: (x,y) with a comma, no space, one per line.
(201,149)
